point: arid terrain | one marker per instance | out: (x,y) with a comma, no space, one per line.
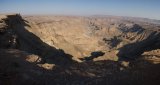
(79,50)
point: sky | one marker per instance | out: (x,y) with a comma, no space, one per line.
(133,8)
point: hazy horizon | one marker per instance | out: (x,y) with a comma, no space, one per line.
(130,8)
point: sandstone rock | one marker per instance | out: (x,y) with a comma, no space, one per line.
(33,58)
(48,66)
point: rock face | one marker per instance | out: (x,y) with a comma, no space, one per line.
(47,50)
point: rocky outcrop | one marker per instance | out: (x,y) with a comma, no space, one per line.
(134,50)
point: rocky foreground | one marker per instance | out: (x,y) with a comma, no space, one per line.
(72,50)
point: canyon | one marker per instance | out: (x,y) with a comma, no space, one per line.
(79,50)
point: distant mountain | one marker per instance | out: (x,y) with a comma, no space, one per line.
(139,19)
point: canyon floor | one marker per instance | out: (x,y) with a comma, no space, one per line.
(79,50)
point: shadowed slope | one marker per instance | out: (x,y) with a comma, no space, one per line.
(29,42)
